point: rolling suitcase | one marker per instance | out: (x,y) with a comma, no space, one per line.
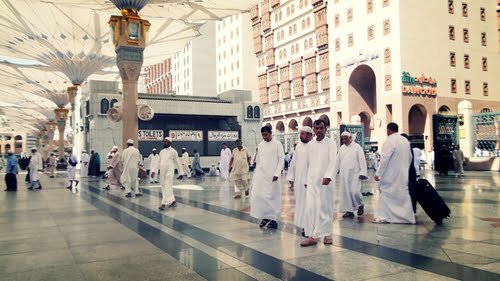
(434,206)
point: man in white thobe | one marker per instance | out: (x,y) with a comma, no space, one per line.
(35,166)
(225,158)
(84,161)
(394,203)
(169,159)
(265,199)
(297,175)
(71,169)
(154,166)
(352,167)
(131,157)
(321,171)
(185,164)
(417,156)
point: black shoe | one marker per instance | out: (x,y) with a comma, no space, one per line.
(303,233)
(106,188)
(122,188)
(128,195)
(272,225)
(39,188)
(77,182)
(162,207)
(51,177)
(138,194)
(173,205)
(348,215)
(361,210)
(30,188)
(247,192)
(263,223)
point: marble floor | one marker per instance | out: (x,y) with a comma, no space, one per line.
(90,234)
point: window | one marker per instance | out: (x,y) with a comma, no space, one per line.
(466,61)
(290,30)
(451,7)
(349,15)
(287,11)
(303,24)
(453,85)
(467,87)
(453,59)
(388,82)
(466,35)
(482,14)
(483,38)
(387,55)
(293,50)
(301,4)
(451,32)
(292,10)
(485,64)
(337,70)
(308,22)
(465,10)
(104,106)
(337,20)
(369,6)
(306,44)
(310,42)
(370,32)
(279,36)
(385,3)
(280,15)
(387,26)
(337,44)
(350,40)
(297,47)
(485,89)
(113,101)
(282,34)
(294,28)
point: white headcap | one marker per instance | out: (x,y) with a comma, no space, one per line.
(346,134)
(114,147)
(10,151)
(34,148)
(169,139)
(154,149)
(306,129)
(183,148)
(130,141)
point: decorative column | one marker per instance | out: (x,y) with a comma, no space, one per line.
(72,92)
(129,36)
(51,128)
(61,117)
(465,129)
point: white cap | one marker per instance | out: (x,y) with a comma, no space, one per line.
(183,148)
(114,147)
(10,151)
(346,134)
(34,148)
(154,149)
(306,129)
(84,151)
(130,141)
(169,139)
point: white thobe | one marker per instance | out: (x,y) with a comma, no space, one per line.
(154,166)
(351,164)
(394,203)
(131,157)
(225,158)
(72,169)
(169,159)
(297,172)
(185,165)
(417,155)
(84,169)
(265,199)
(36,164)
(321,163)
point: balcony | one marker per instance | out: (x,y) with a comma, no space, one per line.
(257,44)
(256,29)
(273,92)
(273,77)
(269,41)
(298,87)
(297,70)
(270,59)
(266,22)
(285,90)
(254,12)
(264,98)
(310,65)
(312,84)
(322,36)
(324,61)
(275,3)
(297,105)
(325,80)
(285,74)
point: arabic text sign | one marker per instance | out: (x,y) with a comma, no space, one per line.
(150,135)
(183,135)
(222,135)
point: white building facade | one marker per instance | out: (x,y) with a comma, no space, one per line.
(236,63)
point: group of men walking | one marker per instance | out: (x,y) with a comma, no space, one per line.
(312,172)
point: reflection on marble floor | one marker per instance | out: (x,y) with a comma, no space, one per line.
(89,234)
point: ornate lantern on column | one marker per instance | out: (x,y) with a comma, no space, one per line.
(72,92)
(129,33)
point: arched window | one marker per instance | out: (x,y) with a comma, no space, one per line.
(308,22)
(256,112)
(250,112)
(104,106)
(113,101)
(18,138)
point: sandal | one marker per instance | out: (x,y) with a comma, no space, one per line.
(308,242)
(328,241)
(264,222)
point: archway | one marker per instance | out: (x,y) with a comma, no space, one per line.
(363,94)
(7,147)
(366,121)
(417,117)
(307,122)
(280,127)
(268,125)
(293,125)
(18,138)
(444,110)
(325,118)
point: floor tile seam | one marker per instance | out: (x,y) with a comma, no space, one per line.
(185,238)
(373,245)
(299,269)
(31,251)
(185,264)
